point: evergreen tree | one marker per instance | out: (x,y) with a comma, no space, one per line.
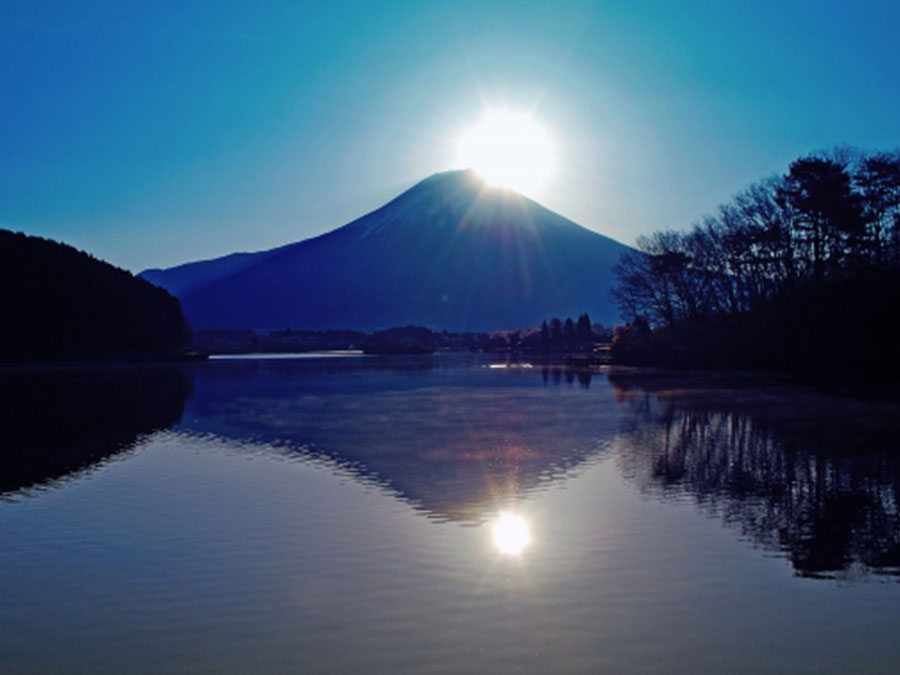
(878,178)
(556,336)
(569,334)
(584,332)
(820,192)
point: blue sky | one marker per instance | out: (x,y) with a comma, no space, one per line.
(151,134)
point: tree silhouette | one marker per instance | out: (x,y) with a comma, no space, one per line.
(569,337)
(820,192)
(556,336)
(545,337)
(878,178)
(58,302)
(796,272)
(584,332)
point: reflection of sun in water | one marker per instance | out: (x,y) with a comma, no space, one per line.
(511,534)
(508,148)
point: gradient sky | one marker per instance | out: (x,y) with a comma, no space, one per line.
(152,134)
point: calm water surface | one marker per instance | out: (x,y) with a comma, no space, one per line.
(340,515)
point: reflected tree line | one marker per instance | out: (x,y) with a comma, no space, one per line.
(557,376)
(58,422)
(825,495)
(798,271)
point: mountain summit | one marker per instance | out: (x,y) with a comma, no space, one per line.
(451,252)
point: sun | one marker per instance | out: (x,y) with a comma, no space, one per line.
(508,148)
(511,534)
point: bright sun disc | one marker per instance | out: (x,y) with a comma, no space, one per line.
(508,148)
(511,534)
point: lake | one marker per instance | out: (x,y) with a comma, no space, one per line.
(443,514)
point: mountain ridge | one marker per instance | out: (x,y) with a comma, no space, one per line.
(449,252)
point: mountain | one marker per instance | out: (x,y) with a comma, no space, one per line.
(425,429)
(450,253)
(61,303)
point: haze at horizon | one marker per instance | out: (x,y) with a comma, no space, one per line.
(154,136)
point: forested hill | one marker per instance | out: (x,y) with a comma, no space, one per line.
(61,303)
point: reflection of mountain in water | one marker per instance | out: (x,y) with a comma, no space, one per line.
(59,421)
(456,442)
(815,477)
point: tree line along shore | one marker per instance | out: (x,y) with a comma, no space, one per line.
(798,273)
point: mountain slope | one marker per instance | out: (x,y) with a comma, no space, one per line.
(449,253)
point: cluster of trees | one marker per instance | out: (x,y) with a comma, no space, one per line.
(401,340)
(797,271)
(58,302)
(398,340)
(244,341)
(557,336)
(567,336)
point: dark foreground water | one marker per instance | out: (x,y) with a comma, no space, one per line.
(341,515)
